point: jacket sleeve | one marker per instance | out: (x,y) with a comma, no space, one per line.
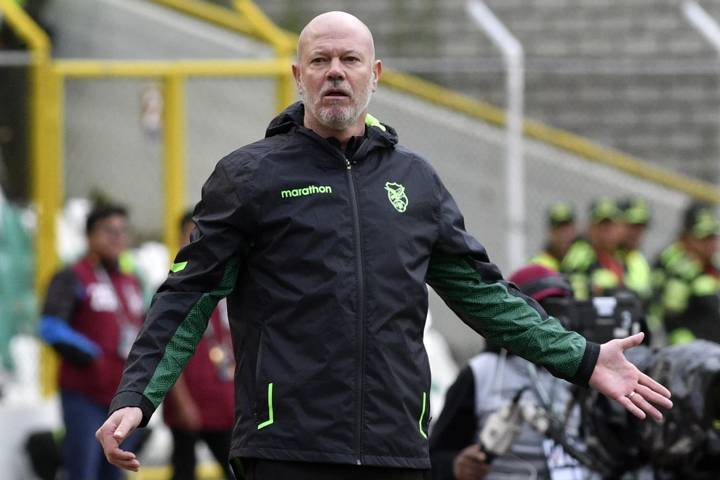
(456,427)
(203,272)
(56,329)
(473,287)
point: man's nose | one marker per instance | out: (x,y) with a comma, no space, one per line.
(335,71)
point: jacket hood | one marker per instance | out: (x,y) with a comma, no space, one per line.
(292,117)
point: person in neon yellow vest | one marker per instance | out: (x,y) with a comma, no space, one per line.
(686,279)
(561,233)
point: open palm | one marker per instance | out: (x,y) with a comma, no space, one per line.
(615,377)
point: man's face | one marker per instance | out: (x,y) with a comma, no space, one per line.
(336,74)
(109,238)
(562,236)
(606,235)
(633,235)
(704,248)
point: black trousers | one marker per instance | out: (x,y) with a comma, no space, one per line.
(258,469)
(183,453)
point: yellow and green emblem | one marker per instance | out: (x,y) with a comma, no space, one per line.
(396,195)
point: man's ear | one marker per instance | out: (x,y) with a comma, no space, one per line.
(298,78)
(376,72)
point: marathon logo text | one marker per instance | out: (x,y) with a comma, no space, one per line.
(305,191)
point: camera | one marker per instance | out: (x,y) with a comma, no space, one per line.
(599,319)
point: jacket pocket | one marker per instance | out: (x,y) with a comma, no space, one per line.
(270,418)
(424,417)
(263,392)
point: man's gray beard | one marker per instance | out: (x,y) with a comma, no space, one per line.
(337,119)
(340,118)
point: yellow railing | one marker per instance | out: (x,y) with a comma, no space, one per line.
(554,136)
(249,20)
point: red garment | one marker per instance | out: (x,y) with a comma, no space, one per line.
(99,318)
(609,262)
(212,390)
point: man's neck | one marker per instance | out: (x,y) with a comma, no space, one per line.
(342,136)
(107,263)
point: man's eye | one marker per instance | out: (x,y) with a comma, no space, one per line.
(317,60)
(352,59)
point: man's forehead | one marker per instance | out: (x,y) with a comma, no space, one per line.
(335,48)
(338,29)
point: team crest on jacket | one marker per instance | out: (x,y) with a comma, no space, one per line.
(396,195)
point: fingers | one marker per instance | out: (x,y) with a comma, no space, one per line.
(104,435)
(642,403)
(631,407)
(632,341)
(126,460)
(119,457)
(655,386)
(116,429)
(111,447)
(476,455)
(126,426)
(654,397)
(470,464)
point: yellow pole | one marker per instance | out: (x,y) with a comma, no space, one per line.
(50,186)
(44,157)
(41,150)
(174,157)
(285,86)
(283,43)
(263,26)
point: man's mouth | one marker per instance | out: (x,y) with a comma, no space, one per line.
(336,93)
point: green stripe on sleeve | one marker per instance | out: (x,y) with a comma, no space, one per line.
(182,345)
(504,318)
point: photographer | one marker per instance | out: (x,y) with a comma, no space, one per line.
(489,382)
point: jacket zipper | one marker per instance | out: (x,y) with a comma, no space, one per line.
(361,312)
(258,364)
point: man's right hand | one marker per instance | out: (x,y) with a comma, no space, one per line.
(112,433)
(470,464)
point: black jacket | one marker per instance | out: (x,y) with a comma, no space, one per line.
(324,260)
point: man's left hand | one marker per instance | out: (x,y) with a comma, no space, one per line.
(617,378)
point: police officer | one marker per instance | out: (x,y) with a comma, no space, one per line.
(561,233)
(592,263)
(686,279)
(635,219)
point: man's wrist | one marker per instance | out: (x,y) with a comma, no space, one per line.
(587,364)
(133,399)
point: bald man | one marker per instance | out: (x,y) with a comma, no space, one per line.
(323,236)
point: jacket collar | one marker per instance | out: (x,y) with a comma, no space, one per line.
(377,134)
